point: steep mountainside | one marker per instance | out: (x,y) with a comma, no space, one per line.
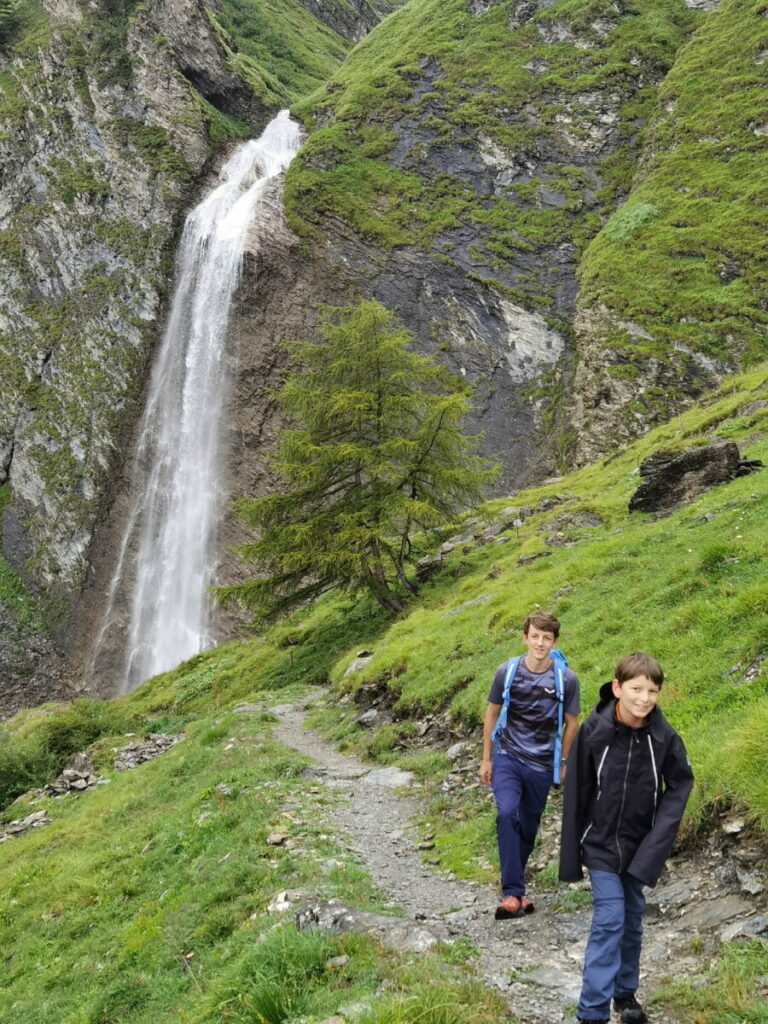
(459,163)
(109,114)
(564,199)
(673,289)
(560,199)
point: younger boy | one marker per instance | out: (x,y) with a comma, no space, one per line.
(626,790)
(520,764)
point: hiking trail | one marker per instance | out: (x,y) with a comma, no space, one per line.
(535,961)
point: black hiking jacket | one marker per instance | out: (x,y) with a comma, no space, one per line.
(625,792)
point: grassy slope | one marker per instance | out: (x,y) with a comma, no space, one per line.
(692,588)
(144,900)
(696,223)
(296,52)
(147,900)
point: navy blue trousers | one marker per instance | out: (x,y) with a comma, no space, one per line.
(520,791)
(612,956)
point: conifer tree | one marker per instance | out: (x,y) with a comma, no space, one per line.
(376,454)
(9,17)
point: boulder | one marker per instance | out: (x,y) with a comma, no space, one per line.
(673,478)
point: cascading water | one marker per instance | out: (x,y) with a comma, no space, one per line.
(169,542)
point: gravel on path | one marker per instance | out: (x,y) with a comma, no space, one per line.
(535,961)
(714,893)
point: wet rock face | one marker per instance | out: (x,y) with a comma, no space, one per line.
(30,667)
(97,165)
(352,19)
(99,155)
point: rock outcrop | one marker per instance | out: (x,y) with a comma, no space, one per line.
(672,297)
(673,478)
(108,122)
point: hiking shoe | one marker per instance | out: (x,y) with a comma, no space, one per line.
(631,1011)
(525,903)
(510,906)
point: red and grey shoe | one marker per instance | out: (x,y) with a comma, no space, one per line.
(510,906)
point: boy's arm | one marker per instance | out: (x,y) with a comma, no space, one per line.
(569,733)
(571,718)
(492,713)
(657,845)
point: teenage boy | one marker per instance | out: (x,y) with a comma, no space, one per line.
(627,787)
(519,762)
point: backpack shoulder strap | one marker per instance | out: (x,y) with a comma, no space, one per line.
(501,721)
(558,666)
(512,666)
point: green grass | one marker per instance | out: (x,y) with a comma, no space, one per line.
(145,900)
(695,224)
(296,51)
(736,992)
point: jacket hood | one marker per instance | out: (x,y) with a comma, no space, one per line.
(606,696)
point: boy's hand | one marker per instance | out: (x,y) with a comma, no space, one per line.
(485,772)
(563,770)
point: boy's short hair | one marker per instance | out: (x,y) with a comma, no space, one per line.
(544,621)
(639,664)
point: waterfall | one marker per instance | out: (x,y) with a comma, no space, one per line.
(158,597)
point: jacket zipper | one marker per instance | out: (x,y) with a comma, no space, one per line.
(655,782)
(599,788)
(621,809)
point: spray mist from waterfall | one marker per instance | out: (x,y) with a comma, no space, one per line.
(168,549)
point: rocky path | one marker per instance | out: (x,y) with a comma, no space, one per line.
(536,960)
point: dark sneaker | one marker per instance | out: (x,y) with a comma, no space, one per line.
(630,1010)
(528,907)
(510,906)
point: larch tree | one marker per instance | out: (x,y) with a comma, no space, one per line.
(375,455)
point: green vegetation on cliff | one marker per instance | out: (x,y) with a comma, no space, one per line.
(435,85)
(20,607)
(298,52)
(686,257)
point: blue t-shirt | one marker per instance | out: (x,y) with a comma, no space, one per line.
(532,714)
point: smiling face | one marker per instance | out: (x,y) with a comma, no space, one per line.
(539,642)
(637,698)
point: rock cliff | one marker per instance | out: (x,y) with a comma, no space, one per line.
(109,114)
(461,183)
(672,293)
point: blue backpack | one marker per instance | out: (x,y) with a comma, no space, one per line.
(559,664)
